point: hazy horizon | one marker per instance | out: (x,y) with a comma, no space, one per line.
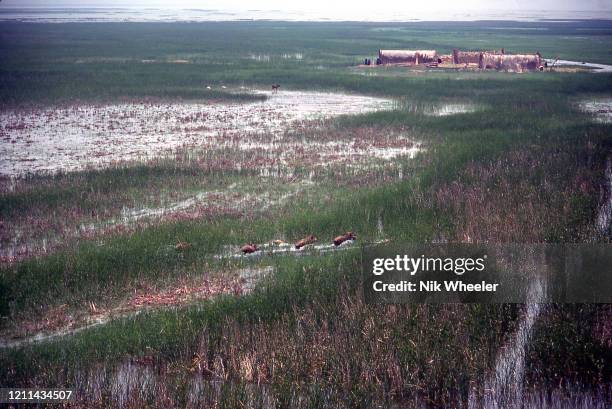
(321,5)
(382,10)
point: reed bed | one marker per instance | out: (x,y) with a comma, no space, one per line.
(526,165)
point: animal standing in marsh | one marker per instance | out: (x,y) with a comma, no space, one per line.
(249,248)
(348,236)
(310,239)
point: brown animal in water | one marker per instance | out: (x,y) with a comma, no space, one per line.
(249,248)
(306,241)
(349,235)
(275,88)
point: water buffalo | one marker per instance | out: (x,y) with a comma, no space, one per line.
(349,235)
(306,241)
(249,248)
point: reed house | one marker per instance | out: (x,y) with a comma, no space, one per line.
(467,57)
(512,62)
(407,57)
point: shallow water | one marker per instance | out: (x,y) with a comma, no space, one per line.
(452,109)
(76,137)
(43,337)
(446,109)
(504,390)
(253,275)
(597,68)
(271,249)
(601,109)
(504,386)
(604,214)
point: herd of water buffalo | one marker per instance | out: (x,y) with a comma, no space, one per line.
(310,239)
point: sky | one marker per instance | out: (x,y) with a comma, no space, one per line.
(335,5)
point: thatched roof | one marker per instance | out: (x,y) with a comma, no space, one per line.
(407,53)
(408,56)
(512,62)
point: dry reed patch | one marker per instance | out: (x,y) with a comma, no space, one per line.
(396,351)
(519,198)
(39,231)
(184,293)
(64,320)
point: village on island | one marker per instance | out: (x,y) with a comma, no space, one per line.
(498,60)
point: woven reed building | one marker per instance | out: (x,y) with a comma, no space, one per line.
(512,62)
(407,57)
